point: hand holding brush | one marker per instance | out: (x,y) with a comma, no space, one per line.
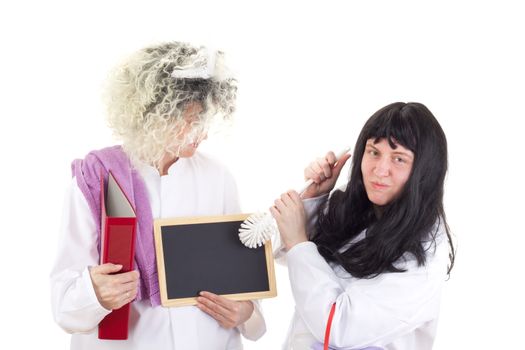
(322,175)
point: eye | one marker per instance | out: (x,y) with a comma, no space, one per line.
(402,161)
(373,152)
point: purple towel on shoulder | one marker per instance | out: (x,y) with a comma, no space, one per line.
(87,172)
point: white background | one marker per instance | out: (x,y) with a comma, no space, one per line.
(310,75)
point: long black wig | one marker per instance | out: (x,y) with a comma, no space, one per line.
(408,221)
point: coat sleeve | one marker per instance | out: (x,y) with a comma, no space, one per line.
(368,311)
(74,303)
(311,206)
(255,326)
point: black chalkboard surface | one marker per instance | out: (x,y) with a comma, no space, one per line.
(205,253)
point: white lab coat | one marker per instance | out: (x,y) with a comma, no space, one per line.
(193,186)
(394,311)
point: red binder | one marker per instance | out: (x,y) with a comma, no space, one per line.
(117,246)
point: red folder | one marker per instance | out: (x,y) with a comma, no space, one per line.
(117,246)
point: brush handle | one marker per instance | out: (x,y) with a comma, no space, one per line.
(310,181)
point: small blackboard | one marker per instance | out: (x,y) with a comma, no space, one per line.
(205,254)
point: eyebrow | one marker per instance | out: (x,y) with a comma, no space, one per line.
(370,144)
(402,153)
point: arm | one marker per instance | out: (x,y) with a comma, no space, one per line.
(74,302)
(368,311)
(311,207)
(295,219)
(83,293)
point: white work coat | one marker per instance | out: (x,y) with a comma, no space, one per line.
(394,311)
(193,186)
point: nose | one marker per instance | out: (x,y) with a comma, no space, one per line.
(382,167)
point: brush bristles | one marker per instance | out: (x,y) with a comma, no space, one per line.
(257,229)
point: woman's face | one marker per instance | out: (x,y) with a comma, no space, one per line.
(191,142)
(385,170)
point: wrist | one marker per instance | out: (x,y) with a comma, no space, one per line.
(291,244)
(247,307)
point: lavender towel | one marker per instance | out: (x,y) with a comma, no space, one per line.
(87,172)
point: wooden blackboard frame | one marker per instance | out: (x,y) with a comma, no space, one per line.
(159,224)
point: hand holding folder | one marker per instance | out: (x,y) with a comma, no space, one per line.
(117,243)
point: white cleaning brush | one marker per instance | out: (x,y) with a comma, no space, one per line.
(260,227)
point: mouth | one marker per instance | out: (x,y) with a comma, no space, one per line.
(378,185)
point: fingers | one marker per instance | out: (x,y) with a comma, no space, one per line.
(289,215)
(330,158)
(228,313)
(127,296)
(126,293)
(106,269)
(130,289)
(294,197)
(327,164)
(220,300)
(287,200)
(113,296)
(126,277)
(210,308)
(340,164)
(275,213)
(114,291)
(321,168)
(316,171)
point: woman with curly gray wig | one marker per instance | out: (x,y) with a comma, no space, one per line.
(161,102)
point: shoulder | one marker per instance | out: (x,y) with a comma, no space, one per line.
(436,248)
(437,244)
(103,158)
(103,155)
(113,154)
(96,165)
(436,238)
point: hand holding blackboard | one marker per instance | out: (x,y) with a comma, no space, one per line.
(204,254)
(228,313)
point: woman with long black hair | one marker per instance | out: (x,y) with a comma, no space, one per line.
(380,249)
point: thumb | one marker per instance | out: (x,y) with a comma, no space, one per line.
(106,269)
(340,164)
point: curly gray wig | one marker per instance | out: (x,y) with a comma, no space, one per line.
(146,97)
